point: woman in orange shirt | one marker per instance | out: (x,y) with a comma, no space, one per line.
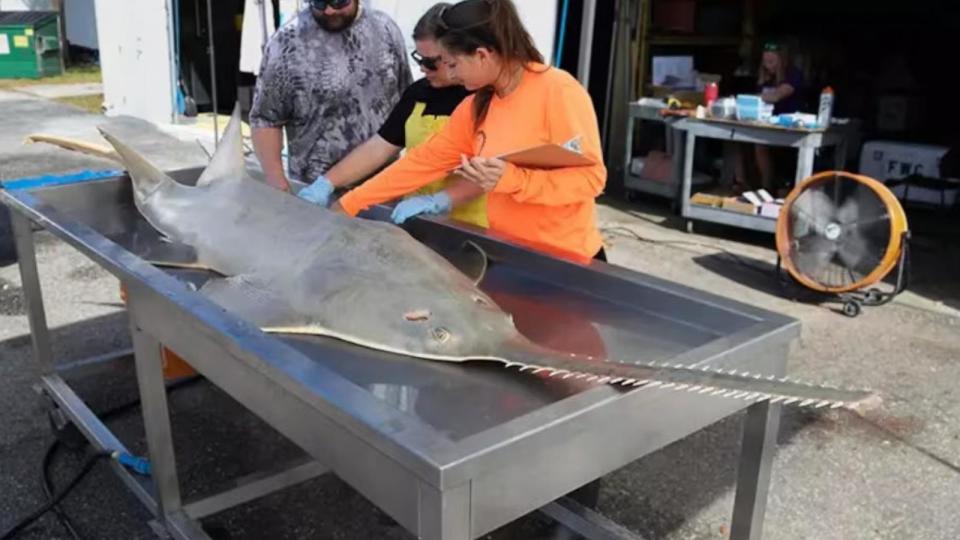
(519,103)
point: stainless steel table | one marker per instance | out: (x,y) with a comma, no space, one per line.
(806,141)
(449,451)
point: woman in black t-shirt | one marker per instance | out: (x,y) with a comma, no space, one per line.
(423,110)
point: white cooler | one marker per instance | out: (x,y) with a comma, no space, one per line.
(889,160)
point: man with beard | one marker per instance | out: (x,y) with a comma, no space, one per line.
(329,78)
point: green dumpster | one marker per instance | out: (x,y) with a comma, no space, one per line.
(29,44)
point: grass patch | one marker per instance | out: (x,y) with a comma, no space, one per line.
(73,75)
(91,103)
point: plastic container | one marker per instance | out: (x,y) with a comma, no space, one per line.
(825,111)
(749,107)
(725,108)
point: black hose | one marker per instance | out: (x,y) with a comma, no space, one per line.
(47,483)
(27,521)
(48,490)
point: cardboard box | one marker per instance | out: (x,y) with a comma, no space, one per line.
(737,204)
(707,199)
(675,15)
(771,209)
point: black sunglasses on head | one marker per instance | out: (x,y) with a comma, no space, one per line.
(428,62)
(321,5)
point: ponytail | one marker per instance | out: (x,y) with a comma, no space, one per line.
(491,24)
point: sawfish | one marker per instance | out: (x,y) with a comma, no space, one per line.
(291,267)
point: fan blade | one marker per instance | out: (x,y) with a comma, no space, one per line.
(849,211)
(814,254)
(816,210)
(853,250)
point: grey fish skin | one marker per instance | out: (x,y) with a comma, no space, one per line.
(292,267)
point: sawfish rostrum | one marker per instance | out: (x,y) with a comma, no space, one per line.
(289,266)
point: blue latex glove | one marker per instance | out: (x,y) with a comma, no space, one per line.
(438,203)
(318,192)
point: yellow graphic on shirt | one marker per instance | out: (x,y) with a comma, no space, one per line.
(418,129)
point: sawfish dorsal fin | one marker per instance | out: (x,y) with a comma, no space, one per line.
(147,178)
(227,162)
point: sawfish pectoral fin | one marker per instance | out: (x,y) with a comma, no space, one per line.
(245,297)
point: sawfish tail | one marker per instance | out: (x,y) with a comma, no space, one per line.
(728,383)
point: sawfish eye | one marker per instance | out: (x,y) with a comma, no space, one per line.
(440,334)
(482,301)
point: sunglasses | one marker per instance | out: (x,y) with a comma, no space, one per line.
(428,62)
(321,5)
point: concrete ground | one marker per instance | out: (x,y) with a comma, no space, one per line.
(51,91)
(891,475)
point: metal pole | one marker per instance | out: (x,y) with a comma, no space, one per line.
(32,293)
(263,22)
(586,41)
(213,74)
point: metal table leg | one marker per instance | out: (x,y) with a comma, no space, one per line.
(156,422)
(753,478)
(32,294)
(686,185)
(805,163)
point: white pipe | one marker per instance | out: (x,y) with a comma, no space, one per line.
(586,41)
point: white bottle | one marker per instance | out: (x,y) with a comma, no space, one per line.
(825,112)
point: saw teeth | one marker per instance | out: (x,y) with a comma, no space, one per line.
(837,405)
(705,389)
(668,386)
(807,402)
(616,381)
(791,400)
(822,404)
(627,382)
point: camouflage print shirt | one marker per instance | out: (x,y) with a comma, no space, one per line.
(331,91)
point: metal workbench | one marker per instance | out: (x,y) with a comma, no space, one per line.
(449,451)
(649,111)
(806,141)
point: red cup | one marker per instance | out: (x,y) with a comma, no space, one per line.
(710,93)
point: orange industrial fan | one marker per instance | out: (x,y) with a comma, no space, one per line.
(840,233)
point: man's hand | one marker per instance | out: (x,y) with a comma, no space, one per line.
(318,192)
(438,203)
(280,183)
(484,172)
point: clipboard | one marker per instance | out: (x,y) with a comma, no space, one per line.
(548,156)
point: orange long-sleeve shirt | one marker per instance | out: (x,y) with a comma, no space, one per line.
(552,210)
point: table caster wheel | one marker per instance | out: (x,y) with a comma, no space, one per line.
(851,308)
